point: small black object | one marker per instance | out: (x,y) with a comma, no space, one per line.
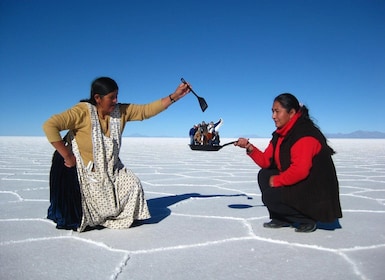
(202,101)
(209,147)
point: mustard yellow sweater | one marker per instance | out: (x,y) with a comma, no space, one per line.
(78,120)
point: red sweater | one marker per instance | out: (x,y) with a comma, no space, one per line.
(302,153)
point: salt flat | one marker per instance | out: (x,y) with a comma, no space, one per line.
(206,220)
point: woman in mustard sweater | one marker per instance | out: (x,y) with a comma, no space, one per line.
(89,185)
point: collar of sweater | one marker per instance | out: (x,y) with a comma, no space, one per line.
(282,132)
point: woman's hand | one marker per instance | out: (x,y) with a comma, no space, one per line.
(70,161)
(242,142)
(271,181)
(181,91)
(66,153)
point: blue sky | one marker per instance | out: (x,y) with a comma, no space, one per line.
(237,54)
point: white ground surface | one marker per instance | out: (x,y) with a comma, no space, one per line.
(206,224)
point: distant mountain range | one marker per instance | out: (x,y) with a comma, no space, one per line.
(357,134)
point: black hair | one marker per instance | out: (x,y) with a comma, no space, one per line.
(289,102)
(101,86)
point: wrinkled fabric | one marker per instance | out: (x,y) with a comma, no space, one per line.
(65,202)
(104,193)
(112,195)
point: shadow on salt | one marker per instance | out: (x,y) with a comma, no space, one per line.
(159,206)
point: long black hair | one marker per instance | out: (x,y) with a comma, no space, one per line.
(289,102)
(101,86)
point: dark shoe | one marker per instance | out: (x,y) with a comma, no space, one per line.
(276,224)
(306,227)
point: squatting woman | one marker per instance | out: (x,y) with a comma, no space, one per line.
(297,179)
(89,185)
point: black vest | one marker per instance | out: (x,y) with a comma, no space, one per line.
(317,196)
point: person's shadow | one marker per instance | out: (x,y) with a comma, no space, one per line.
(159,207)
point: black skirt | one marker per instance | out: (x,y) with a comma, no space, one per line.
(65,201)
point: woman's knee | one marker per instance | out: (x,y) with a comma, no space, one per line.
(264,177)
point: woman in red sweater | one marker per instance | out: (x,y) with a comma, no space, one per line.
(297,179)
